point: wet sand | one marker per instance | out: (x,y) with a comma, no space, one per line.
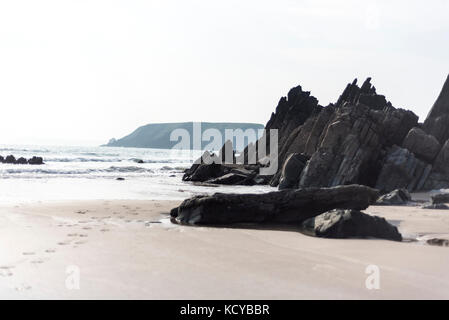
(130,250)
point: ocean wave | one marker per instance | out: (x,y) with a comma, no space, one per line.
(68,171)
(80,159)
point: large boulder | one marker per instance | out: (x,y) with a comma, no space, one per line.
(423,145)
(292,170)
(350,224)
(395,198)
(401,169)
(286,206)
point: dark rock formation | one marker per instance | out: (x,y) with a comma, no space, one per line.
(350,224)
(292,170)
(10,159)
(423,145)
(21,160)
(36,161)
(203,172)
(438,117)
(439,176)
(361,139)
(287,206)
(401,169)
(394,198)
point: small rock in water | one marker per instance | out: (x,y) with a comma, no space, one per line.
(440,198)
(10,159)
(36,161)
(21,160)
(438,242)
(120,179)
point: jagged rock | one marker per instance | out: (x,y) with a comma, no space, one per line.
(286,206)
(36,161)
(350,224)
(401,169)
(10,159)
(351,144)
(439,206)
(438,117)
(2,160)
(292,111)
(21,160)
(394,198)
(423,145)
(304,139)
(440,198)
(292,170)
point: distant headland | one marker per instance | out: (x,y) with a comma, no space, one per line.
(157,135)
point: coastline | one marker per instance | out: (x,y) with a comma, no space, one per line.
(123,251)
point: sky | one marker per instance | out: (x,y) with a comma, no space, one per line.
(82,72)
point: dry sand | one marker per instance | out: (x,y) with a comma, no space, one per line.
(122,251)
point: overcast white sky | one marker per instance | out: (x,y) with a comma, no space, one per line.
(82,72)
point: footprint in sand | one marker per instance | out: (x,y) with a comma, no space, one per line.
(28,253)
(104,230)
(63,243)
(50,251)
(38,261)
(83,235)
(23,287)
(87,228)
(72,235)
(80,242)
(82,211)
(5,271)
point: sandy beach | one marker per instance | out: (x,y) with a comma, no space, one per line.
(130,250)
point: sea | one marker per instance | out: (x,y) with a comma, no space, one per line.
(90,173)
